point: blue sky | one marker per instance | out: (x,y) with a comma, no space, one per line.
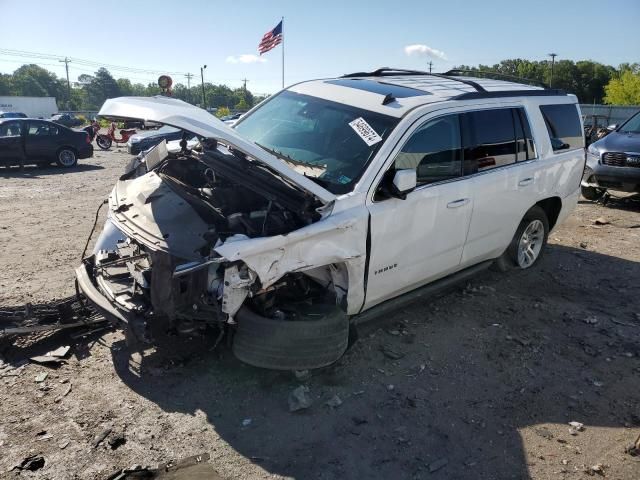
(322,38)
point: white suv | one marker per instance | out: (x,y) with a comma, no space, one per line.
(332,201)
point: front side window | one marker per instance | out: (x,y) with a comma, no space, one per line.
(489,139)
(10,129)
(434,151)
(563,126)
(329,142)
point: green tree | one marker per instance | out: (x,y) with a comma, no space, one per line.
(623,89)
(126,89)
(34,81)
(223,112)
(101,87)
(6,84)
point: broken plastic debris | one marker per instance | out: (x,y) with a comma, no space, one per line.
(41,377)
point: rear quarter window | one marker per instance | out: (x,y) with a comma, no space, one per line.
(563,126)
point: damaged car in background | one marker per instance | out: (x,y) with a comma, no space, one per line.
(316,207)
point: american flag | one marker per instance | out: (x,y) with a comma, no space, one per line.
(271,39)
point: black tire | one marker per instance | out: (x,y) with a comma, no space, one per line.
(511,255)
(66,157)
(103,142)
(592,193)
(291,345)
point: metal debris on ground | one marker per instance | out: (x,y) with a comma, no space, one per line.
(64,394)
(69,312)
(190,468)
(299,399)
(601,221)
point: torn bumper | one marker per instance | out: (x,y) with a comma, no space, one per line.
(97,299)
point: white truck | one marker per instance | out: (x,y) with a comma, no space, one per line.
(32,107)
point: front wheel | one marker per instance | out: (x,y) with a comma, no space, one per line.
(67,158)
(592,193)
(104,142)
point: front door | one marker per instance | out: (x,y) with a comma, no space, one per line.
(421,238)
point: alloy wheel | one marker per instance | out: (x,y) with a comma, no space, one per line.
(530,244)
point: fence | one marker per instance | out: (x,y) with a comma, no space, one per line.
(611,113)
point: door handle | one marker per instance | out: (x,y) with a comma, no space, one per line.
(525,181)
(458,203)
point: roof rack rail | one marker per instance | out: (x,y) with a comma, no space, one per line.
(387,72)
(500,76)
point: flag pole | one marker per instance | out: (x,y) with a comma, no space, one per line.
(282,33)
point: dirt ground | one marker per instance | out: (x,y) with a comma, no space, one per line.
(483,383)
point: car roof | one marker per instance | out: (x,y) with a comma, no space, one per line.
(396,94)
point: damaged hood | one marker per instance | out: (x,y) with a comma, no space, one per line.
(179,114)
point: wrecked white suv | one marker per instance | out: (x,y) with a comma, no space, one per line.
(330,202)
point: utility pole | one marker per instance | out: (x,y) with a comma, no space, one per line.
(204,99)
(553,61)
(66,66)
(244,81)
(430,65)
(189,77)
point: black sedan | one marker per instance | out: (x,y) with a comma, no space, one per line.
(29,141)
(66,119)
(144,141)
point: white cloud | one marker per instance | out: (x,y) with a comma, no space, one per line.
(246,58)
(424,50)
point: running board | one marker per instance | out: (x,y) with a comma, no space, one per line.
(422,293)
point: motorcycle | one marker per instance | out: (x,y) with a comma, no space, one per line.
(105,141)
(92,130)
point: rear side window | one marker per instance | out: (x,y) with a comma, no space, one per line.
(563,126)
(10,129)
(489,139)
(40,129)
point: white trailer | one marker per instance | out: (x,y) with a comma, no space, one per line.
(34,107)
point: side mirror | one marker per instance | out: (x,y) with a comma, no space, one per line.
(613,127)
(404,181)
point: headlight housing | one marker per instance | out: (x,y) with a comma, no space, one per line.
(592,150)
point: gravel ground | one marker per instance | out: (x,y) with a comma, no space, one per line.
(483,383)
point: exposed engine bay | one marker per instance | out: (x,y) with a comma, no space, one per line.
(156,258)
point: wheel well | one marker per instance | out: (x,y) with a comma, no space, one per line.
(551,207)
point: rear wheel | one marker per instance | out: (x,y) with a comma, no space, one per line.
(315,340)
(592,193)
(531,236)
(66,158)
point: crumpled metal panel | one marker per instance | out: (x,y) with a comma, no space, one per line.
(339,238)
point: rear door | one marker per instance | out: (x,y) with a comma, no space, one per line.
(41,141)
(10,140)
(501,159)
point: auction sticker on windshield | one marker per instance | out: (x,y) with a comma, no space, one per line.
(365,131)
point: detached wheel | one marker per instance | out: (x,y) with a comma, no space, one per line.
(592,193)
(531,236)
(66,158)
(313,341)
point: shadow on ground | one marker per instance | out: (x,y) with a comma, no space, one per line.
(35,171)
(507,352)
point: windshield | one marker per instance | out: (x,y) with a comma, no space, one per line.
(329,142)
(632,125)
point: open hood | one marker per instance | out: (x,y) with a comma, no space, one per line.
(179,114)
